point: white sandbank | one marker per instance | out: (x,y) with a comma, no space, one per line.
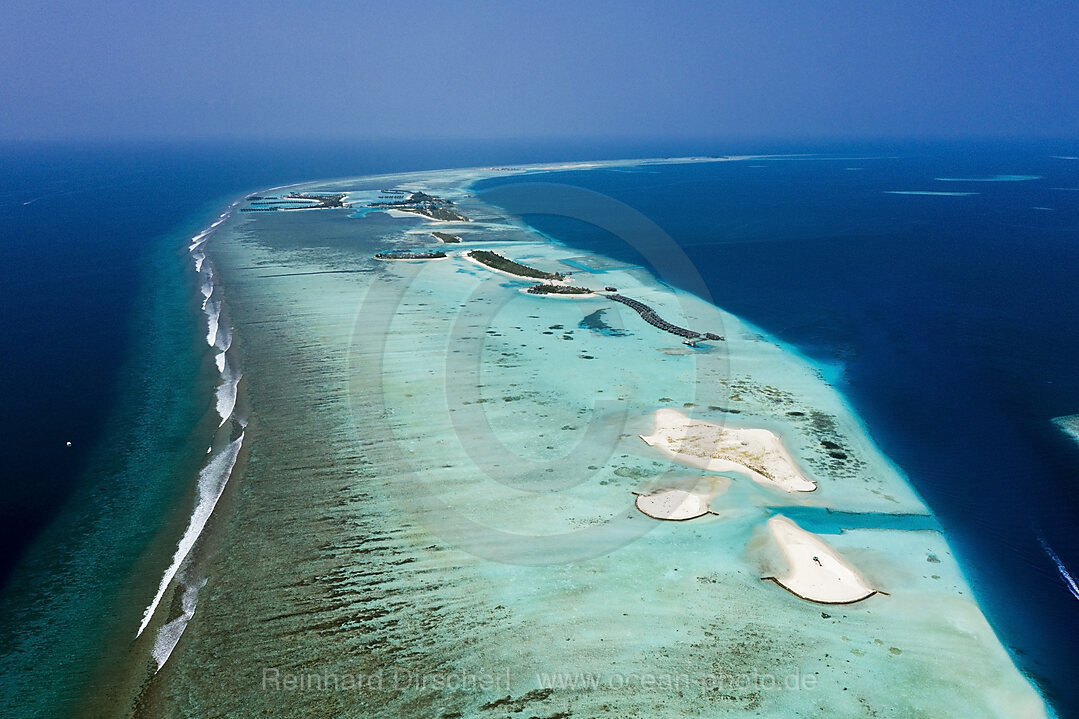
(815,571)
(756,453)
(402,213)
(675,505)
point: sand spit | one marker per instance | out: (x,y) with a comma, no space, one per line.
(815,571)
(674,505)
(756,453)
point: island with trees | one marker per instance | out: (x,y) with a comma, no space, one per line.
(497,262)
(420,203)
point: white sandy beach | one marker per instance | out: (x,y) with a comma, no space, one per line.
(815,571)
(673,504)
(756,453)
(403,214)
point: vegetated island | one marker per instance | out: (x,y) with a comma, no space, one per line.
(410,255)
(558,290)
(446,237)
(420,203)
(497,262)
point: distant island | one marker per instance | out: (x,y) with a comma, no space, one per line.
(410,255)
(446,237)
(558,290)
(420,203)
(497,262)
(295,201)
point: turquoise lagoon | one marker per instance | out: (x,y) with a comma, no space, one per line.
(431,512)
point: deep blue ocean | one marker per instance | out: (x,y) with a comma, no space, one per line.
(953,319)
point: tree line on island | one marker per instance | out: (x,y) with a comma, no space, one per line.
(498,262)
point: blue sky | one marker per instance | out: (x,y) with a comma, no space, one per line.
(825,69)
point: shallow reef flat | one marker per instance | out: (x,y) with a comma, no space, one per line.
(438,501)
(1069,425)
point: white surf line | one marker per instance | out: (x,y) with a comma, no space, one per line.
(1069,580)
(215,474)
(168,636)
(213,318)
(212,480)
(225,395)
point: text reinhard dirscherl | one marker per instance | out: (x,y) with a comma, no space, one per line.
(400,680)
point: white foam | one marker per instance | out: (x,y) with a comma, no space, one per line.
(199,256)
(168,636)
(219,360)
(226,391)
(212,480)
(199,240)
(213,316)
(207,288)
(1069,580)
(224,337)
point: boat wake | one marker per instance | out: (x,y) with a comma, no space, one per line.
(1069,580)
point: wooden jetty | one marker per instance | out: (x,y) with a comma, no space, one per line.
(650,316)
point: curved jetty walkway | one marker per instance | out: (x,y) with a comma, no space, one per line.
(649,315)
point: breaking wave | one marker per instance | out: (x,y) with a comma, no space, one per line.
(213,316)
(226,389)
(220,461)
(169,635)
(212,480)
